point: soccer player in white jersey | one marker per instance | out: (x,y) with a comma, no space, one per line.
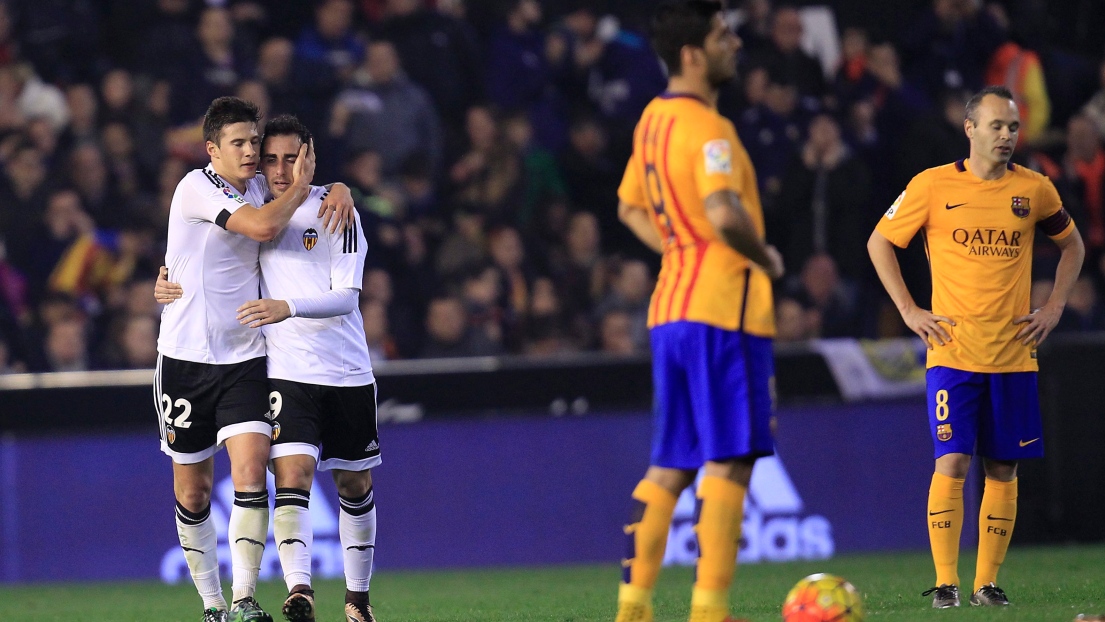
(323,403)
(324,393)
(211,386)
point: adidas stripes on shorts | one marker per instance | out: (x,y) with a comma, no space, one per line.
(337,425)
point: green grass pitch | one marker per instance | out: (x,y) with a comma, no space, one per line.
(1044,584)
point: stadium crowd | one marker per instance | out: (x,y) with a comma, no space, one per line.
(485,141)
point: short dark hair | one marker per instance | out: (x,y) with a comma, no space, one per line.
(678,23)
(971,112)
(286,125)
(226,111)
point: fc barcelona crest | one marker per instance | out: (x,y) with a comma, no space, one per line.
(310,237)
(944,431)
(1021,207)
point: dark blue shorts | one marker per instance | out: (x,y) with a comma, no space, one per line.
(712,395)
(996,414)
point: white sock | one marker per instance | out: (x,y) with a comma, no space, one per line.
(357,530)
(200,543)
(249,528)
(294,538)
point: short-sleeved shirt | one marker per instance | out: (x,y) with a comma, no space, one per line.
(306,260)
(684,151)
(217,269)
(978,235)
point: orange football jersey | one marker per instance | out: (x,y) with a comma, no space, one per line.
(684,151)
(978,235)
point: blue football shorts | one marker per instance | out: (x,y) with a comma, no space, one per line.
(712,395)
(994,415)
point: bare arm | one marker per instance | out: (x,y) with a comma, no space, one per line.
(733,224)
(636,218)
(265,223)
(1040,323)
(919,320)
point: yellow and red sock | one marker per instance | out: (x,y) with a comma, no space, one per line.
(718,528)
(945,523)
(646,538)
(995,528)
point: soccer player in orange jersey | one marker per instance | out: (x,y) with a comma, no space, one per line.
(689,193)
(979,217)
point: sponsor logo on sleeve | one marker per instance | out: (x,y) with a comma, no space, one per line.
(894,206)
(719,157)
(230,194)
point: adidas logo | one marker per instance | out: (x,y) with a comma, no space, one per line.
(775,526)
(373,446)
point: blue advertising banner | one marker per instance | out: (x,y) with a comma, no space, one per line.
(477,492)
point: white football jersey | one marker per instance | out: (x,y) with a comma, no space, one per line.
(217,270)
(306,260)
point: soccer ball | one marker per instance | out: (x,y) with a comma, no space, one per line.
(823,598)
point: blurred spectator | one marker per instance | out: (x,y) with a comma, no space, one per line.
(22,196)
(824,205)
(84,114)
(381,345)
(482,292)
(934,139)
(331,41)
(14,303)
(831,302)
(24,94)
(9,46)
(66,256)
(440,53)
(616,333)
(755,29)
(448,334)
(770,133)
(67,346)
(168,41)
(212,70)
(490,174)
(384,112)
(631,293)
(784,60)
(60,37)
(580,274)
(1079,177)
(545,332)
(592,179)
(117,95)
(613,68)
(1095,108)
(101,199)
(8,365)
(1021,71)
(508,253)
(465,245)
(138,342)
(948,45)
(516,73)
(1084,310)
(543,182)
(256,92)
(792,321)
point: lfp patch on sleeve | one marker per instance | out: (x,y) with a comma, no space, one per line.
(719,157)
(894,206)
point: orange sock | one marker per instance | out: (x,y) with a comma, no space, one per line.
(995,528)
(718,527)
(646,539)
(945,521)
